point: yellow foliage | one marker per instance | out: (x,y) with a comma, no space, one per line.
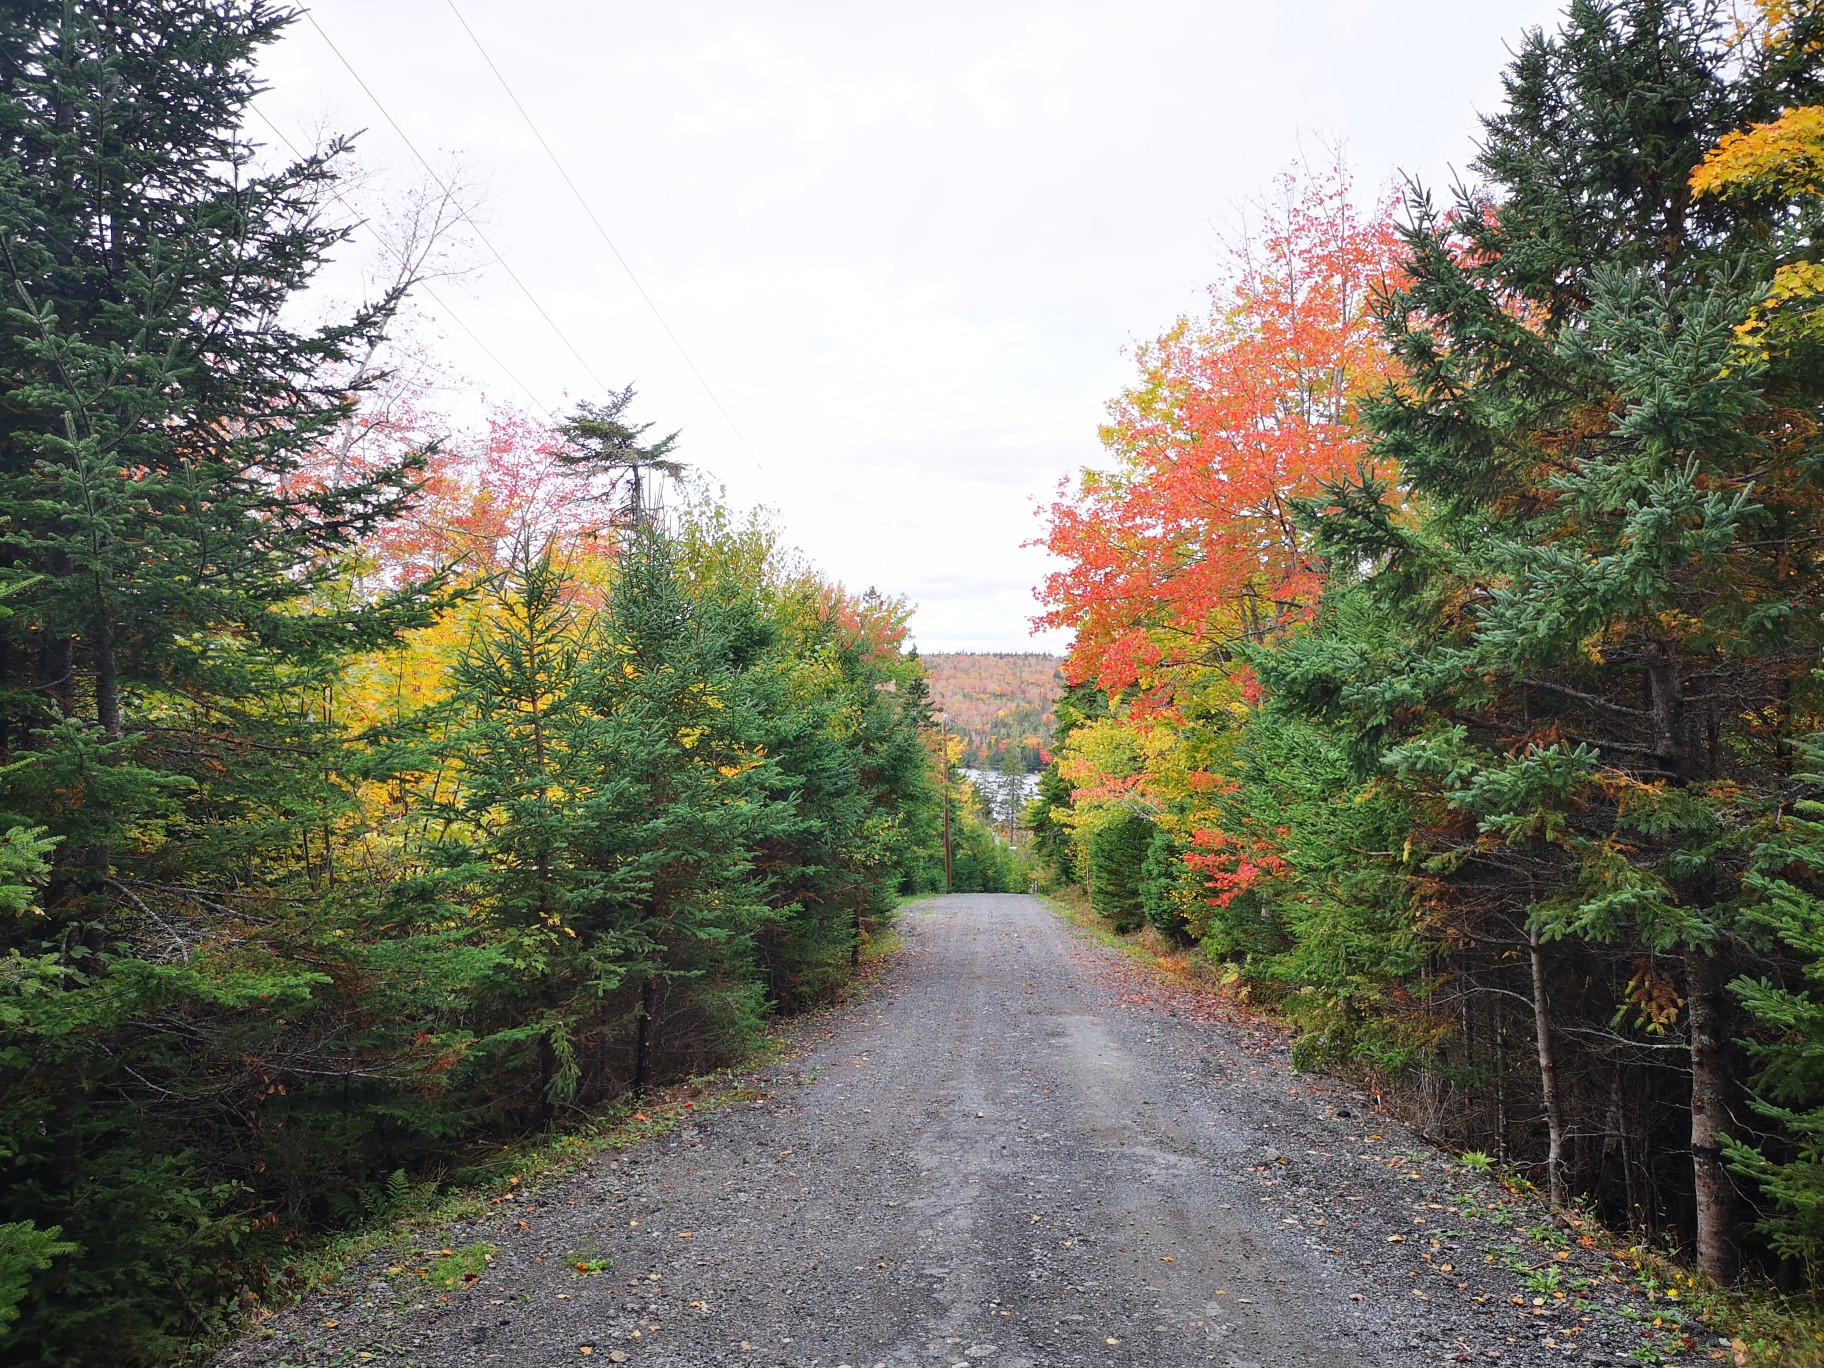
(1784,157)
(1777,17)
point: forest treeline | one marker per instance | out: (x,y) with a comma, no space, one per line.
(1447,629)
(372,791)
(999,704)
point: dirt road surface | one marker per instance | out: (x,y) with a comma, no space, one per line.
(1017,1151)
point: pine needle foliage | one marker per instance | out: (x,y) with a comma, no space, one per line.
(317,873)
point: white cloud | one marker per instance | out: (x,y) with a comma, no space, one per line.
(906,245)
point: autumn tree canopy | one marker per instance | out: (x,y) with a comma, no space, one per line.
(1190,544)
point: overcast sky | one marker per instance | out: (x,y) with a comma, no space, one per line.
(907,246)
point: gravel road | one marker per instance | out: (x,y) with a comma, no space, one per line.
(1018,1150)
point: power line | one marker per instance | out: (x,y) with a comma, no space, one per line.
(436,299)
(481,236)
(488,351)
(565,175)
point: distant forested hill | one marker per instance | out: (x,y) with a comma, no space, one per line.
(999,703)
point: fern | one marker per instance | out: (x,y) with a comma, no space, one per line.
(371,1203)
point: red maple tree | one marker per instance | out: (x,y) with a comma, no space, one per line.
(1190,543)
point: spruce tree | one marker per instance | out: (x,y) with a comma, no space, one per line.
(1605,604)
(688,797)
(167,555)
(1117,858)
(612,454)
(527,756)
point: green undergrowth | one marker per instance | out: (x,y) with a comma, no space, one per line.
(1686,1319)
(414,1218)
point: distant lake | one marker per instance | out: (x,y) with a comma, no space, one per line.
(996,788)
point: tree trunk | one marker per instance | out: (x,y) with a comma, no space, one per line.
(547,1076)
(1548,1076)
(642,1041)
(107,682)
(1716,1251)
(1666,692)
(1500,1081)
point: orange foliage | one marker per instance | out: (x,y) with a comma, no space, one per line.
(486,491)
(1191,543)
(1001,703)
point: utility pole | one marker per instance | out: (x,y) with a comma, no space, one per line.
(944,759)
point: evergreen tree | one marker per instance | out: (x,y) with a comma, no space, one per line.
(173,570)
(1168,892)
(1606,612)
(688,795)
(1788,901)
(530,754)
(611,453)
(1117,856)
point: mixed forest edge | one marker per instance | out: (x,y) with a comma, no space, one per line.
(375,792)
(380,796)
(1446,639)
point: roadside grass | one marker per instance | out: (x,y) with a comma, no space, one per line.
(1688,1319)
(1184,966)
(1752,1327)
(406,1230)
(523,1166)
(1692,1320)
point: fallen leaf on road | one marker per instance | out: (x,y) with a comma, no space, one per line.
(1111,1340)
(1167,1258)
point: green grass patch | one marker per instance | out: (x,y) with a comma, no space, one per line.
(448,1269)
(586,1261)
